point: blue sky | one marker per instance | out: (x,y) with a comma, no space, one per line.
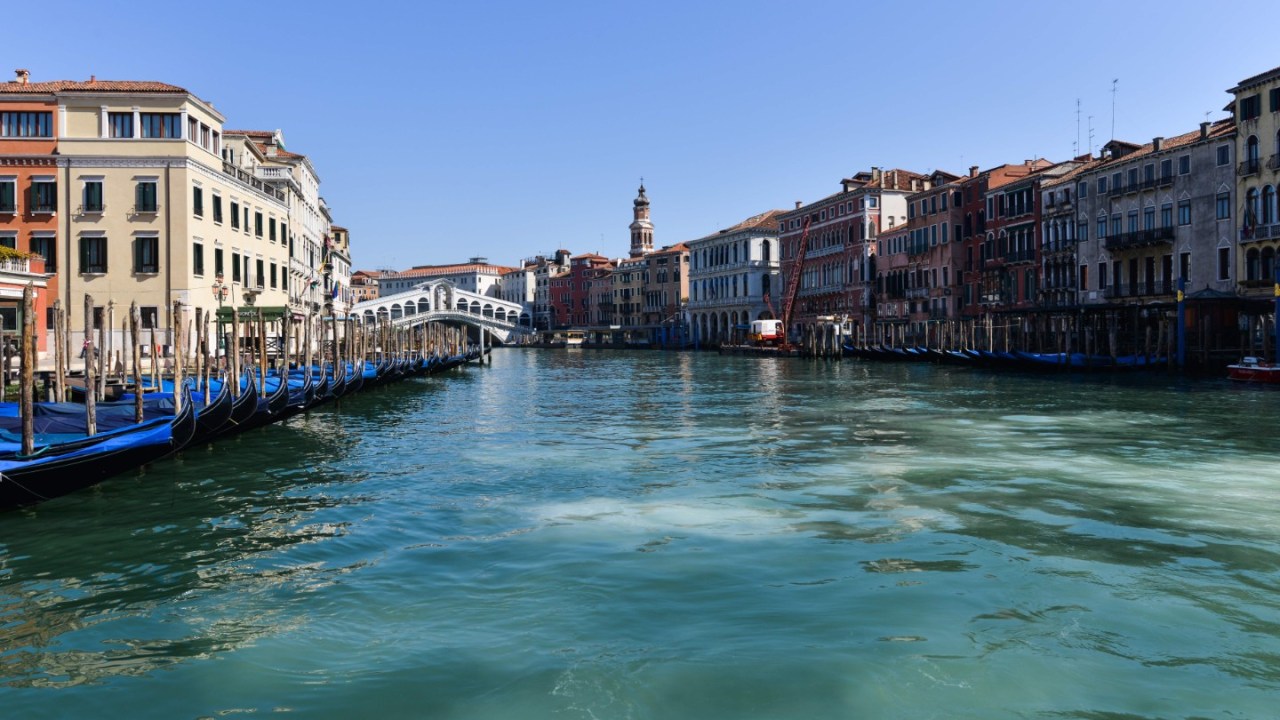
(443,131)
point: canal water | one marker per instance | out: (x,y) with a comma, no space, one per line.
(585,534)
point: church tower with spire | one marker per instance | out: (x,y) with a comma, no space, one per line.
(641,228)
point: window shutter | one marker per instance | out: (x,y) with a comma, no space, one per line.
(138,197)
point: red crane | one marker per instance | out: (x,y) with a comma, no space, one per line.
(793,282)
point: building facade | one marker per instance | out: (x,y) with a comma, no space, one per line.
(734,278)
(1255,110)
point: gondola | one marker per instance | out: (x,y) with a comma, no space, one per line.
(59,470)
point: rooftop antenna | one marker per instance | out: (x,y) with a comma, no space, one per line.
(1076,150)
(1114,83)
(1090,135)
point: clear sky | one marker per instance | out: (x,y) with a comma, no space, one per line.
(445,130)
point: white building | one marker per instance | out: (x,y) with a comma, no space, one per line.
(734,277)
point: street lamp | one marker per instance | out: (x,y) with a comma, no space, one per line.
(220,289)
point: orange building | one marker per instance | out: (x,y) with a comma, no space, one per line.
(29,204)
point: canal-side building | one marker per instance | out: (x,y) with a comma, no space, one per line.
(933,216)
(1060,230)
(476,275)
(571,293)
(982,274)
(28,203)
(338,269)
(1255,109)
(629,280)
(364,284)
(1157,212)
(837,274)
(546,267)
(734,278)
(666,295)
(893,258)
(140,201)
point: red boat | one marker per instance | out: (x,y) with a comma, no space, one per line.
(1251,369)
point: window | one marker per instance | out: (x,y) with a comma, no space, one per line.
(197,259)
(197,201)
(217,261)
(1166,215)
(26,124)
(1166,168)
(1223,205)
(1084,276)
(1224,263)
(93,254)
(144,197)
(1117,226)
(274,272)
(1184,212)
(1133,221)
(235,267)
(257,224)
(1082,191)
(1149,218)
(120,124)
(44,196)
(235,215)
(1224,155)
(259,274)
(1184,165)
(1102,228)
(217,209)
(146,254)
(8,195)
(1250,107)
(93,196)
(246,219)
(271,228)
(1102,276)
(9,240)
(149,315)
(161,125)
(1102,186)
(1275,100)
(46,246)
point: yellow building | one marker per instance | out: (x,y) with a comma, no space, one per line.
(1256,108)
(150,212)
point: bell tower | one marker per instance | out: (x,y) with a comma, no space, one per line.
(641,228)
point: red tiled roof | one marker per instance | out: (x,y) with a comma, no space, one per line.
(120,86)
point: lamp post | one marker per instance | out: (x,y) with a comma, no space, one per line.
(220,292)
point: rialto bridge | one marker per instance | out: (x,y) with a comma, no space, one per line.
(442,301)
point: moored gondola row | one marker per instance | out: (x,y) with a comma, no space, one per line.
(49,449)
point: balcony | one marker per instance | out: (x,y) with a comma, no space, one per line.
(1155,182)
(1261,232)
(15,265)
(266,172)
(1274,162)
(1059,246)
(1250,167)
(1020,256)
(917,293)
(1140,238)
(252,181)
(1142,289)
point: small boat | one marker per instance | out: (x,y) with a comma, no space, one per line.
(57,470)
(1252,369)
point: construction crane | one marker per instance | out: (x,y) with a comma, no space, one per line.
(793,282)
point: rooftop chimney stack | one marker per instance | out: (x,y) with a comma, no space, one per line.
(875,174)
(798,204)
(1157,144)
(973,171)
(24,76)
(1204,130)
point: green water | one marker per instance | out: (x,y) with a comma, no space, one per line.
(583,534)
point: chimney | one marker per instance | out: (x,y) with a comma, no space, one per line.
(798,204)
(93,78)
(24,76)
(973,171)
(895,179)
(1204,130)
(875,174)
(1157,144)
(915,185)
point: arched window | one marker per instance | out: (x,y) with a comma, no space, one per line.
(1268,205)
(1251,149)
(765,252)
(764,284)
(1251,206)
(735,253)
